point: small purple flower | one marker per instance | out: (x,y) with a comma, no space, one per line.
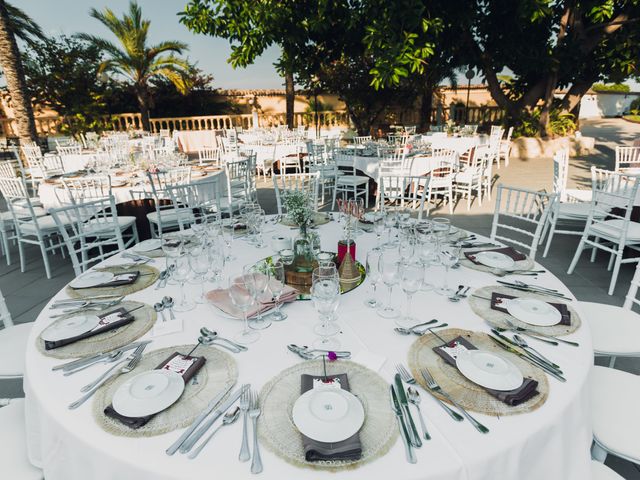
(332,356)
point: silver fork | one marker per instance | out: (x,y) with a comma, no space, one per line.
(433,385)
(254,413)
(245,455)
(408,378)
(133,360)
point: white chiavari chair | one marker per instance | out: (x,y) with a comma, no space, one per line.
(301,182)
(321,159)
(91,231)
(628,159)
(505,148)
(362,139)
(405,191)
(202,196)
(209,156)
(609,226)
(69,150)
(442,176)
(165,217)
(520,216)
(470,178)
(350,182)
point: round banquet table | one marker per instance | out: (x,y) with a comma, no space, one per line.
(551,442)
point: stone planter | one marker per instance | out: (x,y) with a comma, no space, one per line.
(532,147)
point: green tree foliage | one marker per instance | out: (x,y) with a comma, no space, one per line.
(613,87)
(133,60)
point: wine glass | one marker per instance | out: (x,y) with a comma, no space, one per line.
(325,293)
(449,256)
(228,234)
(217,260)
(243,300)
(373,275)
(427,253)
(200,262)
(181,275)
(440,227)
(258,223)
(389,267)
(406,249)
(276,285)
(378,226)
(257,281)
(410,281)
(172,247)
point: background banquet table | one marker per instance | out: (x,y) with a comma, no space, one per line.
(551,442)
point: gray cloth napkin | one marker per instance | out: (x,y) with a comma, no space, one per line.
(314,451)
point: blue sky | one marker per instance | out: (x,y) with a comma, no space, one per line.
(71,16)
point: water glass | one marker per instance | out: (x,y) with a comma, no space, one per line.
(200,262)
(373,275)
(389,266)
(325,293)
(257,280)
(243,300)
(181,274)
(449,256)
(410,281)
(276,285)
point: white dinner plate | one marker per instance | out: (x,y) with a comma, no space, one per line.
(328,414)
(534,312)
(119,182)
(69,327)
(489,370)
(495,260)
(148,245)
(148,393)
(91,279)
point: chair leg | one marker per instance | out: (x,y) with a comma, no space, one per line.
(21,253)
(366,199)
(616,270)
(552,230)
(5,246)
(612,361)
(576,257)
(333,202)
(594,250)
(45,259)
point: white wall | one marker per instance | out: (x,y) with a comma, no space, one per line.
(605,104)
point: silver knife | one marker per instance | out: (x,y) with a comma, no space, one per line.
(212,404)
(82,362)
(395,406)
(414,437)
(191,441)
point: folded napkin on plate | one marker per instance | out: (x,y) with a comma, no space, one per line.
(177,362)
(118,280)
(524,392)
(220,299)
(496,300)
(314,451)
(108,321)
(510,252)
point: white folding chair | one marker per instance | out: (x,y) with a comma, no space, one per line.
(609,226)
(301,182)
(471,177)
(405,191)
(442,176)
(520,216)
(202,196)
(321,159)
(505,148)
(13,344)
(91,231)
(350,182)
(627,159)
(238,182)
(209,156)
(362,139)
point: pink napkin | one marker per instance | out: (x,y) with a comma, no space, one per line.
(220,299)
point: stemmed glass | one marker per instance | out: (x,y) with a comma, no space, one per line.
(440,226)
(276,285)
(410,281)
(181,275)
(389,267)
(228,234)
(373,275)
(378,226)
(217,260)
(200,262)
(172,248)
(257,281)
(258,223)
(325,293)
(243,300)
(427,248)
(449,256)
(406,248)
(390,223)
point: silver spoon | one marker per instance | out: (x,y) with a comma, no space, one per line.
(456,296)
(161,278)
(414,397)
(228,419)
(428,329)
(523,343)
(409,331)
(159,308)
(212,335)
(168,304)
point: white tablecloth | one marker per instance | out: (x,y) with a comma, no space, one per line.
(421,164)
(550,443)
(459,144)
(190,141)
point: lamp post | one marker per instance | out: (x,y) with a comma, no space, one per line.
(469,74)
(315,81)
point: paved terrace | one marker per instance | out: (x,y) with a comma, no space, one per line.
(27,293)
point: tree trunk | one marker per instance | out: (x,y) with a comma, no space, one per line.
(426,107)
(142,95)
(14,74)
(290,95)
(545,112)
(573,97)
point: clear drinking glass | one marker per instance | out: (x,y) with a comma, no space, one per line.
(325,293)
(373,275)
(440,227)
(378,226)
(449,256)
(243,300)
(200,262)
(257,281)
(181,275)
(389,266)
(228,234)
(276,285)
(172,248)
(410,281)
(427,253)
(217,261)
(406,248)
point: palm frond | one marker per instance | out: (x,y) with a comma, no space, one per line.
(23,26)
(178,77)
(172,46)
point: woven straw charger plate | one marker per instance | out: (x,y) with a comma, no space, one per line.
(144,319)
(279,434)
(218,374)
(148,276)
(468,394)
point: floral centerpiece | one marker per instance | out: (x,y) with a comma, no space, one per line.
(298,206)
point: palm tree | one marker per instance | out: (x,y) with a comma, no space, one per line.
(15,23)
(136,61)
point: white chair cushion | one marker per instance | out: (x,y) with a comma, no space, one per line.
(170,216)
(46,224)
(351,180)
(599,471)
(633,233)
(13,444)
(123,222)
(615,413)
(577,210)
(614,330)
(13,344)
(580,195)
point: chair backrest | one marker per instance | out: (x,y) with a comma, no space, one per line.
(87,228)
(561,173)
(238,181)
(521,215)
(627,157)
(403,190)
(69,150)
(161,180)
(79,190)
(209,155)
(8,169)
(631,299)
(301,182)
(362,139)
(25,218)
(203,196)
